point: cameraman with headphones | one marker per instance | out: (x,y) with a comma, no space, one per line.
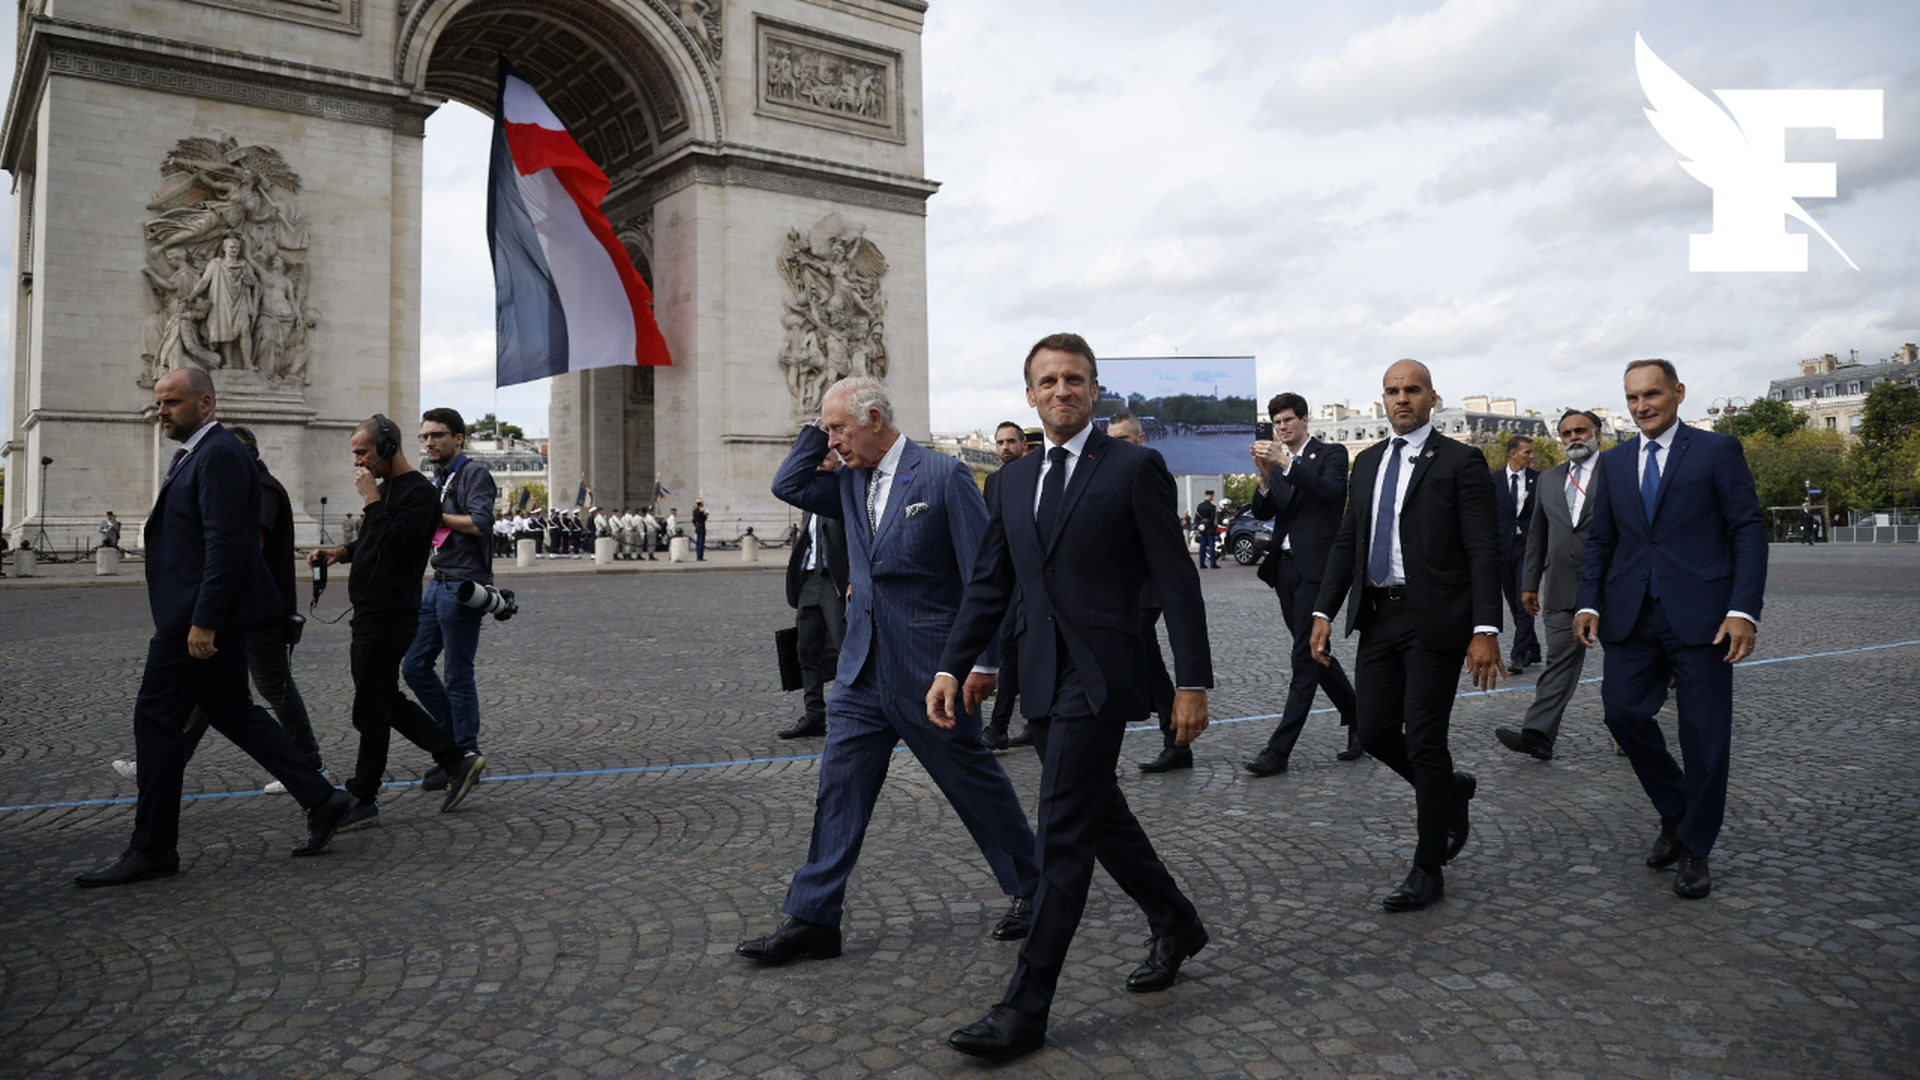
(462,552)
(390,557)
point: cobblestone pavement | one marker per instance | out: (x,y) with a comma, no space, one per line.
(574,922)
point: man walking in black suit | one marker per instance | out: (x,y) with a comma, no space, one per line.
(1071,538)
(1010,442)
(1513,499)
(1126,426)
(1416,562)
(817,593)
(1303,489)
(207,585)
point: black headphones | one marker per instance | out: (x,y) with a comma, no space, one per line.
(387,443)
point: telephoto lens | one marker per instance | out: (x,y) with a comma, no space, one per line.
(496,602)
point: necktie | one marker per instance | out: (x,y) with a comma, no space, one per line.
(175,463)
(1380,554)
(873,498)
(1513,486)
(1573,491)
(1650,483)
(1052,489)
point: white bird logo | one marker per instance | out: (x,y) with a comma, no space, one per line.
(1721,154)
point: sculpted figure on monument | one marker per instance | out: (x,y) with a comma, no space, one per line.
(798,75)
(702,18)
(226,263)
(834,325)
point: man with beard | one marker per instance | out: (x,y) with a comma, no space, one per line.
(1556,543)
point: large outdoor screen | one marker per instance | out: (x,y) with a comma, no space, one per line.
(1198,411)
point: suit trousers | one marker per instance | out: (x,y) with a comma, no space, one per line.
(1525,642)
(1296,605)
(1159,683)
(1566,659)
(1084,817)
(173,686)
(1404,693)
(822,624)
(380,709)
(270,662)
(1009,684)
(866,719)
(1634,686)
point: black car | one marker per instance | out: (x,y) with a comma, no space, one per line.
(1248,538)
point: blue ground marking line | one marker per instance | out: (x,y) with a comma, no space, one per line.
(635,769)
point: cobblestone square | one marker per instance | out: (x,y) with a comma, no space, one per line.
(576,916)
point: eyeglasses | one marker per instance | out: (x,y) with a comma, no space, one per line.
(429,435)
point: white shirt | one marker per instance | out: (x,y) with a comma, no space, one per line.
(1074,447)
(812,561)
(1579,479)
(1518,491)
(888,468)
(1396,558)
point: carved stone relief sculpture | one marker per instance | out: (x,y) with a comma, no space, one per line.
(227,265)
(799,75)
(834,323)
(702,19)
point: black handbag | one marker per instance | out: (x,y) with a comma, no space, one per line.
(786,644)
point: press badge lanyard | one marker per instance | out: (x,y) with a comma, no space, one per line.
(440,489)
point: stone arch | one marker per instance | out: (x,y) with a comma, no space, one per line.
(630,81)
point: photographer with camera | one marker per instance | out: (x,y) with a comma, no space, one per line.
(389,558)
(461,593)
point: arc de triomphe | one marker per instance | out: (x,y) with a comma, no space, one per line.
(236,184)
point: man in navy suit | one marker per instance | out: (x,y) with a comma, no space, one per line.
(1513,489)
(913,520)
(1676,565)
(1074,534)
(1303,490)
(1415,563)
(207,585)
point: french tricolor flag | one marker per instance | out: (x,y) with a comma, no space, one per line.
(567,297)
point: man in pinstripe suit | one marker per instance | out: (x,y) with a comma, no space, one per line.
(914,522)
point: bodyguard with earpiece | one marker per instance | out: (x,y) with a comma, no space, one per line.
(389,558)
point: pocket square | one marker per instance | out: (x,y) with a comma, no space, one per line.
(916,508)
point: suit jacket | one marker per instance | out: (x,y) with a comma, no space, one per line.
(1304,504)
(1447,540)
(908,577)
(1514,547)
(833,537)
(1705,549)
(1556,543)
(1117,528)
(203,560)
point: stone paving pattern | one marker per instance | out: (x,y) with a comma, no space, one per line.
(583,926)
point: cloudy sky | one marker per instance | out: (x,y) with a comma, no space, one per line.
(1330,186)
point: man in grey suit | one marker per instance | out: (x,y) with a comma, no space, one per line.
(914,522)
(1556,544)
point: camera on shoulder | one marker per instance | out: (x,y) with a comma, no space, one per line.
(488,600)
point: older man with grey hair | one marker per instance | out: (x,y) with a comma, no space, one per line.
(914,522)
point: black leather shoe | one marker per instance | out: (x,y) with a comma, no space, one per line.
(994,737)
(461,780)
(435,780)
(1422,889)
(1025,738)
(1693,881)
(1267,762)
(803,729)
(1525,741)
(1464,786)
(323,821)
(364,815)
(132,866)
(1173,757)
(1004,1032)
(1515,666)
(1164,956)
(1018,920)
(1666,847)
(1353,752)
(796,938)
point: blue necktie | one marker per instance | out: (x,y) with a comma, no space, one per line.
(1052,489)
(1380,554)
(1650,483)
